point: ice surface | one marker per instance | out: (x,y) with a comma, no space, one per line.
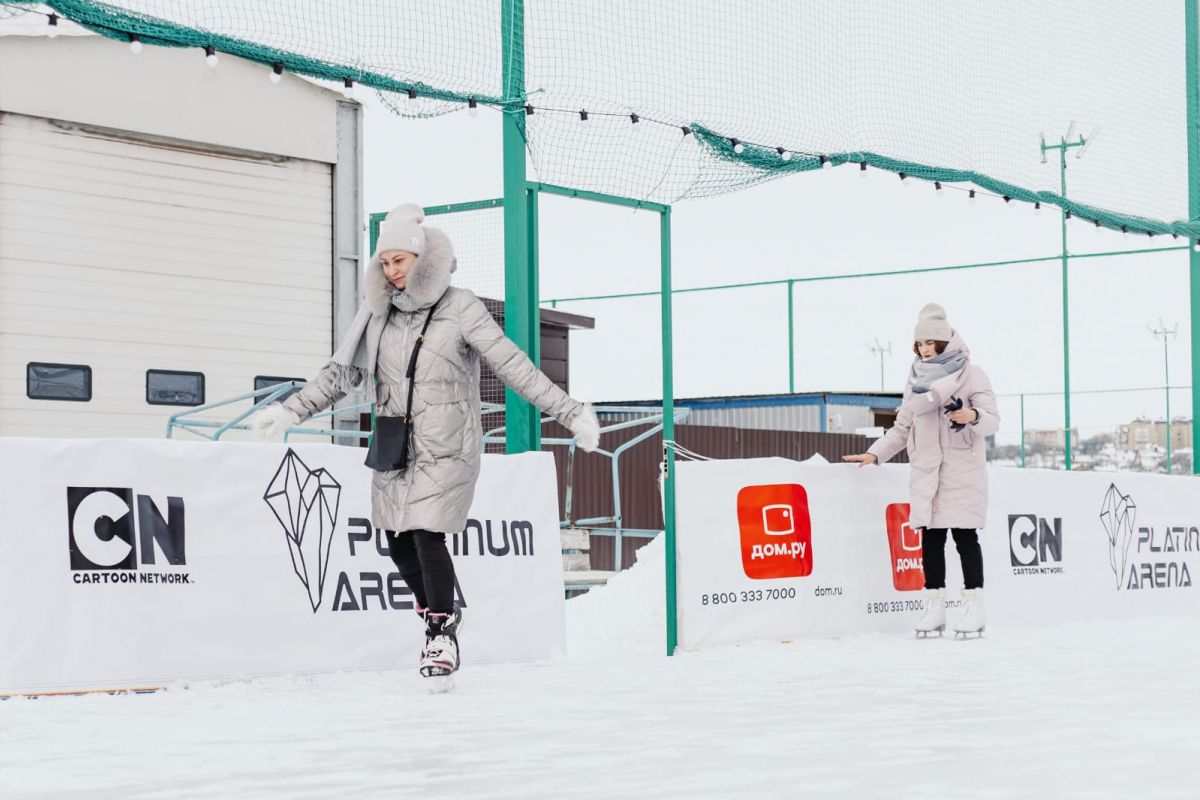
(1082,711)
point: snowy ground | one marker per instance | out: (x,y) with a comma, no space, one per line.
(1085,711)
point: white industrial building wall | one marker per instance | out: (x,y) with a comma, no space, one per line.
(128,254)
(763,418)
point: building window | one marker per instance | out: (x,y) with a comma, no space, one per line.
(58,382)
(263,381)
(1142,435)
(166,387)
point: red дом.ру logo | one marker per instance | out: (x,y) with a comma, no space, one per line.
(776,531)
(908,570)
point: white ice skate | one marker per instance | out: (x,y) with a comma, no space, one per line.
(439,659)
(934,619)
(973,622)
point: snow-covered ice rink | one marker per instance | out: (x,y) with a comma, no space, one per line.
(1082,711)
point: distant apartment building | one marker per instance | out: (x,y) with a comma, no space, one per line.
(1051,438)
(1146,432)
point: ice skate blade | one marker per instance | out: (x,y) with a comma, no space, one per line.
(930,633)
(440,684)
(963,636)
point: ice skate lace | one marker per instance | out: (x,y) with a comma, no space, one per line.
(437,647)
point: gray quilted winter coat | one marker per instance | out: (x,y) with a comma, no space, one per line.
(436,490)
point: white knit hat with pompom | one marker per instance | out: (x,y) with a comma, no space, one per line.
(401,230)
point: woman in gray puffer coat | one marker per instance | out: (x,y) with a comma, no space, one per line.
(407,281)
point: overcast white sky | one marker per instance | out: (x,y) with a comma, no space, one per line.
(825,223)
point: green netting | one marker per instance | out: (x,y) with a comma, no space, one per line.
(959,93)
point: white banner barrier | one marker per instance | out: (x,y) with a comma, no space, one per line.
(132,563)
(776,549)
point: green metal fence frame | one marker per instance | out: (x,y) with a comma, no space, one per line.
(790,283)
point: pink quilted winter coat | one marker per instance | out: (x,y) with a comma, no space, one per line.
(948,483)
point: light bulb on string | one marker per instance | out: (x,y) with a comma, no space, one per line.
(583,118)
(52,26)
(1124,231)
(276,72)
(210,56)
(412,99)
(1196,246)
(135,43)
(738,147)
(938,191)
(904,181)
(1096,225)
(862,169)
(786,155)
(1008,201)
(826,163)
(347,88)
(636,122)
(1037,207)
(529,111)
(472,107)
(971,196)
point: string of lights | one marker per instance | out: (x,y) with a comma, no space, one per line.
(637,123)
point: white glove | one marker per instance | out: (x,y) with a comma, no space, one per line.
(273,421)
(586,428)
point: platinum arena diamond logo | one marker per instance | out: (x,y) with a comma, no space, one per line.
(1118,514)
(305,501)
(1161,556)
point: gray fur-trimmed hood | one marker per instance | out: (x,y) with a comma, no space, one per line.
(428,280)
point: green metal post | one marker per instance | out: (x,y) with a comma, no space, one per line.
(1167,364)
(1066,315)
(520,278)
(791,340)
(533,312)
(1192,50)
(668,434)
(1022,431)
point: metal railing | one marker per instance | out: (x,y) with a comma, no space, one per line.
(189,421)
(611,525)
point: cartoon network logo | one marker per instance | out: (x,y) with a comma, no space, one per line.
(113,529)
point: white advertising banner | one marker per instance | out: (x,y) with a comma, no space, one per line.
(775,549)
(134,563)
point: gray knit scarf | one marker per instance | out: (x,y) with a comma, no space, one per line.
(925,373)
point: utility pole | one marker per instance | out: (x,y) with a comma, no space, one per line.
(1166,335)
(879,350)
(1065,144)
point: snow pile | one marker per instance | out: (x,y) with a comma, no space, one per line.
(627,616)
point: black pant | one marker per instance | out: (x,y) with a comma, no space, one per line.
(933,557)
(424,563)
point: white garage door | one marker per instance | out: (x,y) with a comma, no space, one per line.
(126,255)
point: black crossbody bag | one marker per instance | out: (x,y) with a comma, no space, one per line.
(389,444)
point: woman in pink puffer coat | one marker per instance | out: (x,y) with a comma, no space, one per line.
(948,411)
